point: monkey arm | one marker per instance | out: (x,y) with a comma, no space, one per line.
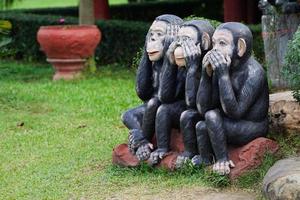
(204,94)
(168,79)
(144,87)
(191,86)
(180,83)
(237,104)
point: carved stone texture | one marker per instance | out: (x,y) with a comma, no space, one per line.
(251,155)
(282,181)
(245,158)
(122,157)
(284,113)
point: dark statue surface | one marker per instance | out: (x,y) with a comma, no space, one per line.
(179,81)
(205,83)
(234,99)
(141,120)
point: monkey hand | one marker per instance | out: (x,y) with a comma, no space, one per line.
(220,63)
(170,52)
(143,152)
(223,167)
(192,52)
(206,64)
(135,140)
(157,155)
(170,37)
(172,30)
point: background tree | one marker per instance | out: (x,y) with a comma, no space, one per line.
(5,4)
(86,12)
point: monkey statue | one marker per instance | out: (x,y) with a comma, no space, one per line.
(232,96)
(179,81)
(141,120)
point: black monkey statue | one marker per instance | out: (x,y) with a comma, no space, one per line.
(191,116)
(232,96)
(179,81)
(141,120)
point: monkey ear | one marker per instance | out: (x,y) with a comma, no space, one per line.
(241,47)
(205,41)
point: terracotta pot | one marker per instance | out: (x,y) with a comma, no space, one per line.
(68,46)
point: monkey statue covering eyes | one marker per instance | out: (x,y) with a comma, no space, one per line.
(232,96)
(184,58)
(141,120)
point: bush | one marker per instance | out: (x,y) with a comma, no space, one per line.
(291,68)
(147,11)
(258,43)
(120,39)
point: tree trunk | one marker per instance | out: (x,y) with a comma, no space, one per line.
(277,30)
(86,12)
(87,17)
(101,9)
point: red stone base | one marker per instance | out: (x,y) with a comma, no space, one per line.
(245,158)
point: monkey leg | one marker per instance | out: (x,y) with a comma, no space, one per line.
(217,136)
(223,131)
(133,118)
(216,133)
(188,121)
(167,117)
(144,147)
(148,124)
(205,155)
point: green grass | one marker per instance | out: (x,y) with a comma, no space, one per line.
(19,4)
(56,139)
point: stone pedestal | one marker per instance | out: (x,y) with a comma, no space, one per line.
(245,158)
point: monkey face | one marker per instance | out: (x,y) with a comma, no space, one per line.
(185,31)
(155,43)
(223,42)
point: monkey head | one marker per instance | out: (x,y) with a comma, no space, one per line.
(198,33)
(233,39)
(155,44)
(164,26)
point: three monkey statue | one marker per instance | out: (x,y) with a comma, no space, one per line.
(202,81)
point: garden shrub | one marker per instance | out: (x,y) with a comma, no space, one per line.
(120,39)
(291,68)
(147,11)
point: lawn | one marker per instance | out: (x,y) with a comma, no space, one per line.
(53,3)
(56,140)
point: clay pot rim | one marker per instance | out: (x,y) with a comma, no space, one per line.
(68,27)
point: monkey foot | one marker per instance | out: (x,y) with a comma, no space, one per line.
(223,167)
(182,159)
(143,152)
(157,155)
(197,160)
(135,140)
